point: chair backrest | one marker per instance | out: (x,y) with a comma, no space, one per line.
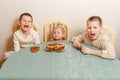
(48,29)
(34,26)
(110,33)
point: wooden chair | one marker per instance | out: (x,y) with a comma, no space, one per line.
(1,59)
(110,33)
(48,29)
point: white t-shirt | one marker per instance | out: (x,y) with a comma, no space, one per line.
(21,41)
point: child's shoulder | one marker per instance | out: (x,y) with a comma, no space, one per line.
(17,32)
(33,31)
(84,33)
(104,37)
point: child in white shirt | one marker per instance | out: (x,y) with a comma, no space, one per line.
(26,36)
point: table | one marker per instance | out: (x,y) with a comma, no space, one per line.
(69,64)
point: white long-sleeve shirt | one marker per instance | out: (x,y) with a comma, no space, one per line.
(21,41)
(103,42)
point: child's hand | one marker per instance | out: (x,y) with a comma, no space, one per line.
(86,50)
(76,44)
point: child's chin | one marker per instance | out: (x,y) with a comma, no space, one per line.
(26,29)
(93,38)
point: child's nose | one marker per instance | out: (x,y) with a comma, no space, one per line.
(92,29)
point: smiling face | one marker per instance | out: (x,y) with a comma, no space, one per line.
(25,23)
(94,29)
(58,35)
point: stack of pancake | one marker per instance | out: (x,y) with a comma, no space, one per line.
(55,47)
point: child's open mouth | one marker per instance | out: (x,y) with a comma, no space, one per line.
(26,26)
(92,35)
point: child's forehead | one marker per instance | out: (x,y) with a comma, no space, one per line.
(93,23)
(24,16)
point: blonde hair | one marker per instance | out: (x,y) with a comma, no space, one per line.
(60,26)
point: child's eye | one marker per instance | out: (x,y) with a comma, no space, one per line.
(89,27)
(24,20)
(95,27)
(29,21)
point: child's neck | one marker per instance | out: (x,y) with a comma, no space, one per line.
(26,33)
(57,39)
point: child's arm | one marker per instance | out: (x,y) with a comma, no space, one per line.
(76,44)
(76,41)
(78,38)
(86,50)
(106,52)
(37,41)
(16,43)
(35,36)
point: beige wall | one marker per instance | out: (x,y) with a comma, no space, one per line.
(74,12)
